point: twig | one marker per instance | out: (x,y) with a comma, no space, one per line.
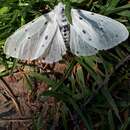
(122,63)
(98,89)
(106,80)
(15,119)
(9,92)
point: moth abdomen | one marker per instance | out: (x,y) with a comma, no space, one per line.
(65,31)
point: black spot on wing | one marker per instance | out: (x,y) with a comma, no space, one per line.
(101,28)
(46,37)
(62,10)
(64,20)
(77,52)
(92,13)
(116,35)
(80,18)
(45,23)
(90,39)
(84,31)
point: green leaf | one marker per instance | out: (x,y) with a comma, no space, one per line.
(80,77)
(89,67)
(77,1)
(14,65)
(118,9)
(3,10)
(110,120)
(64,114)
(4,73)
(68,12)
(37,122)
(29,83)
(125,125)
(125,13)
(111,101)
(112,4)
(77,109)
(44,78)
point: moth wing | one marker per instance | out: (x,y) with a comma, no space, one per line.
(57,48)
(78,45)
(97,30)
(32,40)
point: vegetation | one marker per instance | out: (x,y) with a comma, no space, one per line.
(90,93)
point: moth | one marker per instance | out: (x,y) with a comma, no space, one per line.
(50,36)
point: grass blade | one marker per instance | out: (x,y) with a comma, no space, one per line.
(111,101)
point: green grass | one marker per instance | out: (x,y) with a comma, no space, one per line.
(97,95)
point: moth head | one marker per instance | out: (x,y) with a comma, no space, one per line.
(60,8)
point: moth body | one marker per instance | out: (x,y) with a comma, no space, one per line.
(63,24)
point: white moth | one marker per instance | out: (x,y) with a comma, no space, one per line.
(51,35)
